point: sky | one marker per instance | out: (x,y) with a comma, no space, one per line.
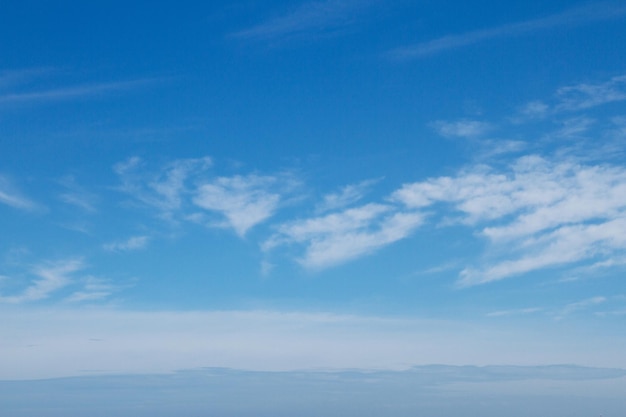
(299,191)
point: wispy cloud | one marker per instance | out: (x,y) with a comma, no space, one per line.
(575,98)
(76,195)
(345,197)
(244,201)
(93,289)
(547,213)
(70,92)
(338,237)
(462,128)
(162,189)
(131,244)
(311,18)
(584,96)
(10,79)
(10,196)
(184,190)
(579,305)
(521,311)
(576,16)
(51,277)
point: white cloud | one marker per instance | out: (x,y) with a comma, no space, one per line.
(244,201)
(335,248)
(347,196)
(535,110)
(76,195)
(164,189)
(521,311)
(70,92)
(574,128)
(575,98)
(338,237)
(584,96)
(51,277)
(11,197)
(310,18)
(462,128)
(580,305)
(575,16)
(538,214)
(93,289)
(184,186)
(131,244)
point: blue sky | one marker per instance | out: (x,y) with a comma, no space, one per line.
(327,184)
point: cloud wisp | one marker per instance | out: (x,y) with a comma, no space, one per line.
(310,19)
(185,190)
(62,280)
(165,189)
(133,243)
(77,196)
(346,196)
(548,213)
(337,237)
(69,92)
(463,128)
(51,277)
(244,201)
(576,16)
(13,198)
(575,98)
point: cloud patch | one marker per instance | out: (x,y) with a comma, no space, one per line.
(244,201)
(462,128)
(10,196)
(133,243)
(547,213)
(51,277)
(309,19)
(576,16)
(338,237)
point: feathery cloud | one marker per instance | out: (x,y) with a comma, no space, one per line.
(576,16)
(164,189)
(580,305)
(76,195)
(244,201)
(51,277)
(11,197)
(575,98)
(547,213)
(184,190)
(462,128)
(310,18)
(338,237)
(70,92)
(131,244)
(346,196)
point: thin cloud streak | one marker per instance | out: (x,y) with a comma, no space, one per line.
(131,244)
(51,278)
(338,237)
(547,213)
(575,16)
(12,198)
(312,17)
(71,93)
(244,201)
